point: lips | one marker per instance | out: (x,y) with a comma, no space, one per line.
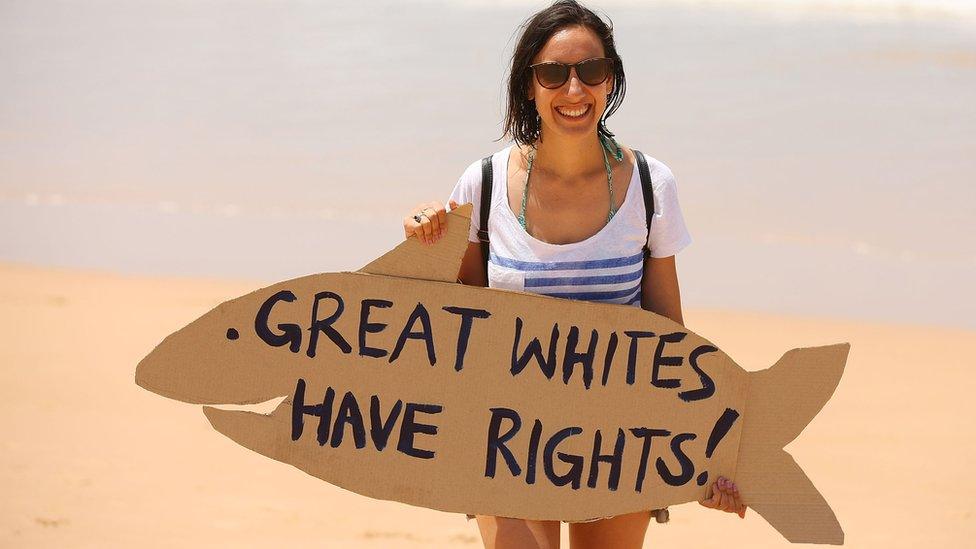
(574,113)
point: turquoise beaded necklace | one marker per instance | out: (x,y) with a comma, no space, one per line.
(609,145)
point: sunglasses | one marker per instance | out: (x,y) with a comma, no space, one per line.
(591,72)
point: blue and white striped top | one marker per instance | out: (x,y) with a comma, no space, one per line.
(605,267)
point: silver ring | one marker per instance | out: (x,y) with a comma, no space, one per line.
(417,217)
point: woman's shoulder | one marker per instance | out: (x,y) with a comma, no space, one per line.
(471,177)
(468,187)
(662,178)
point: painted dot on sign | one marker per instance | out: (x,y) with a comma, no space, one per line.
(702,478)
(232,334)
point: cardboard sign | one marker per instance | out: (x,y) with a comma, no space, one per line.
(402,384)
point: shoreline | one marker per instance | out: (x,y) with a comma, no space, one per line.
(246,285)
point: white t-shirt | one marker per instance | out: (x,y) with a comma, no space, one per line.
(606,267)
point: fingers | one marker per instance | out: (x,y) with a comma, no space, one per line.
(734,500)
(412,227)
(734,494)
(733,503)
(438,217)
(432,224)
(427,226)
(442,218)
(726,500)
(724,496)
(453,205)
(714,498)
(740,508)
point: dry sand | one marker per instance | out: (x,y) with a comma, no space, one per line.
(90,460)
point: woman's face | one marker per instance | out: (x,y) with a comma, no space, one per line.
(570,45)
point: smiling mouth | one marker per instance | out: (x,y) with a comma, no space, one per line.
(574,113)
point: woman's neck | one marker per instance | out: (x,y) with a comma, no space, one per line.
(569,158)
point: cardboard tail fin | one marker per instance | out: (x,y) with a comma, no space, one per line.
(774,485)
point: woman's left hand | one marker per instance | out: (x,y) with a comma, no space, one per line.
(725,497)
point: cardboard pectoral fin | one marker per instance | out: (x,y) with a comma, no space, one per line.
(440,261)
(270,435)
(264,434)
(783,495)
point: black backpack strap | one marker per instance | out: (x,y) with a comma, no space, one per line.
(486,175)
(660,515)
(648,187)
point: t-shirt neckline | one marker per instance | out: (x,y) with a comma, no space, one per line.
(628,198)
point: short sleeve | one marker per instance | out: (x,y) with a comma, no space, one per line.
(468,189)
(668,234)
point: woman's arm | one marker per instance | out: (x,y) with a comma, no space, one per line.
(659,288)
(660,294)
(472,270)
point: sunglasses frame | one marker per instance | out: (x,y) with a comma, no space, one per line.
(569,71)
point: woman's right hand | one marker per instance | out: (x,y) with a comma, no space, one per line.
(432,225)
(725,497)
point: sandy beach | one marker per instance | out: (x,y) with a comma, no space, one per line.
(91,460)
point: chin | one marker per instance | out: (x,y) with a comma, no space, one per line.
(579,131)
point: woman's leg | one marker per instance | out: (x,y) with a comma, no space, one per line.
(620,532)
(509,533)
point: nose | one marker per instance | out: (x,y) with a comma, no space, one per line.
(575,87)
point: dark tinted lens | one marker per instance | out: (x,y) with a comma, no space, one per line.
(594,71)
(551,75)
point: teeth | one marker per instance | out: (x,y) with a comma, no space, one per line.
(575,113)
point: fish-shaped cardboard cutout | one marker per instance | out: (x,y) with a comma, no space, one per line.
(399,383)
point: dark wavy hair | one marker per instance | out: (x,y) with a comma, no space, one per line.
(521,120)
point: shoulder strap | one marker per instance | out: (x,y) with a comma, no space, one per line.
(486,184)
(486,175)
(648,187)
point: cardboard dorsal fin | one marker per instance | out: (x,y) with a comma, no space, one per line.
(440,261)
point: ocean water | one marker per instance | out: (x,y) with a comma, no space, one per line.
(824,151)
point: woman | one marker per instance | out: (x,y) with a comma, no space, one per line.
(566,193)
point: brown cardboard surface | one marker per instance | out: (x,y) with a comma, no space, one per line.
(406,386)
